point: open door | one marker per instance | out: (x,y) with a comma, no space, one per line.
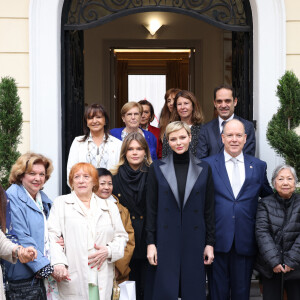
(176,64)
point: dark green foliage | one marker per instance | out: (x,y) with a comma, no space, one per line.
(10,127)
(280,133)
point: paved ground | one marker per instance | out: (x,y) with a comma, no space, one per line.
(255,292)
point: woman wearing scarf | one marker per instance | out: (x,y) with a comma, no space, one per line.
(129,182)
(93,234)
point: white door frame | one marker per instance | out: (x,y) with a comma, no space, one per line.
(269,56)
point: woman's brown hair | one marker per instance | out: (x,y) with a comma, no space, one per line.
(90,112)
(133,136)
(197,115)
(165,114)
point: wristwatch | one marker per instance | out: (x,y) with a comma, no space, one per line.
(16,252)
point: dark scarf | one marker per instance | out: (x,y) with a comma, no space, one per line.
(131,184)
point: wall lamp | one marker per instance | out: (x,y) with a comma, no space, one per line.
(153,26)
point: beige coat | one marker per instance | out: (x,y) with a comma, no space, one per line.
(6,248)
(66,218)
(123,264)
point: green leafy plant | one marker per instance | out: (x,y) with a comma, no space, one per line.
(281,133)
(10,127)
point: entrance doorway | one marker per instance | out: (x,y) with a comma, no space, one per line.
(174,66)
(88,45)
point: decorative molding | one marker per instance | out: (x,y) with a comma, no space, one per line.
(227,14)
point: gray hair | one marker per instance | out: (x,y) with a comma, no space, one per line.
(175,126)
(282,167)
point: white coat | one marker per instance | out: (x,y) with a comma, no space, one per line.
(79,151)
(66,219)
(6,248)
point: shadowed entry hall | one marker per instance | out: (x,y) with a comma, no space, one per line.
(220,34)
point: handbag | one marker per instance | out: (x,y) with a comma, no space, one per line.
(116,290)
(28,289)
(127,290)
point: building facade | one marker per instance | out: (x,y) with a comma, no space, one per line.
(31,52)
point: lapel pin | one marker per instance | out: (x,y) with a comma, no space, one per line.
(251,167)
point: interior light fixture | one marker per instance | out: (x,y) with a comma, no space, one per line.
(153,26)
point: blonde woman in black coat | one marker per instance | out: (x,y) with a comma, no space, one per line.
(278,237)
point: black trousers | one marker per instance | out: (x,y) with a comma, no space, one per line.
(272,288)
(138,274)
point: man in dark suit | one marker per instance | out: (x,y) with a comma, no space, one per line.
(239,180)
(210,141)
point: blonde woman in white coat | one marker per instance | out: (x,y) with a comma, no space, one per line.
(93,234)
(96,146)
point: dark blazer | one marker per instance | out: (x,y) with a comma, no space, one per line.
(278,235)
(180,235)
(235,218)
(150,138)
(156,132)
(210,141)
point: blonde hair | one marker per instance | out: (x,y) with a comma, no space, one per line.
(175,126)
(129,105)
(197,114)
(133,136)
(88,168)
(25,163)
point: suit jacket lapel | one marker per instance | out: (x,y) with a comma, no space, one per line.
(167,168)
(221,168)
(216,131)
(193,174)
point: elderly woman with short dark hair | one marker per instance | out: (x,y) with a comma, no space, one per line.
(147,117)
(278,236)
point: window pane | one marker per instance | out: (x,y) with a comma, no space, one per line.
(149,87)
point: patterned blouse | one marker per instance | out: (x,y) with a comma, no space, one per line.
(97,156)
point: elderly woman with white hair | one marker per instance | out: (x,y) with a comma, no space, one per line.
(278,237)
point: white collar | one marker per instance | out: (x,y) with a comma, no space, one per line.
(221,120)
(110,198)
(239,158)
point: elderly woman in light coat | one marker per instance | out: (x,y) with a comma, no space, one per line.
(93,234)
